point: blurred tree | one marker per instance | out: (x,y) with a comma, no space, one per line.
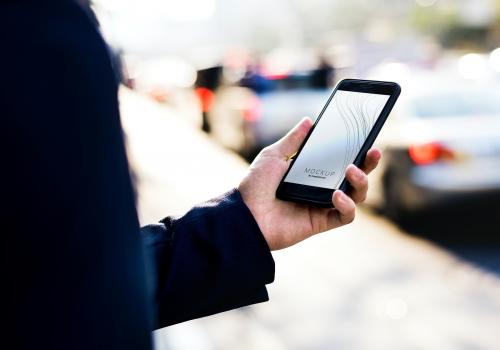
(464,24)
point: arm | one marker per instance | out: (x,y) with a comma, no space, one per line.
(70,178)
(210,260)
(217,257)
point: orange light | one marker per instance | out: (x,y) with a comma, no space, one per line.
(429,153)
(206,97)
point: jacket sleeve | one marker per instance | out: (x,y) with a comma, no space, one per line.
(212,259)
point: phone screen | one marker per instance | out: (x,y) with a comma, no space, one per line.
(336,139)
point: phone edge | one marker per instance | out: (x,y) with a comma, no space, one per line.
(344,186)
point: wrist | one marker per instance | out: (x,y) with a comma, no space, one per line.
(252,206)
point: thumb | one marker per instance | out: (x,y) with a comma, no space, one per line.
(291,142)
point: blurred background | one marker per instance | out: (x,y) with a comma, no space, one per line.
(208,83)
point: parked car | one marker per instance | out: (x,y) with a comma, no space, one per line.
(248,118)
(441,146)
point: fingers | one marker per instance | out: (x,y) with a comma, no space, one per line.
(291,142)
(345,210)
(371,160)
(359,182)
(358,178)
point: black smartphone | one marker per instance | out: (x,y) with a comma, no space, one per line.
(342,134)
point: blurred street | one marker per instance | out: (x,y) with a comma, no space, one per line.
(369,285)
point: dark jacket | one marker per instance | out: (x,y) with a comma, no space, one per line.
(74,262)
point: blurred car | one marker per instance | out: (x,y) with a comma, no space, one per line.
(249,117)
(441,146)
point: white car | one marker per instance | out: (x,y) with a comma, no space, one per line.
(441,146)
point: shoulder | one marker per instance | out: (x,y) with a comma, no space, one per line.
(33,27)
(52,40)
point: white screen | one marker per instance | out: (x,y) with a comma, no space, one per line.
(337,139)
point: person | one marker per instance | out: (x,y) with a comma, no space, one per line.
(323,76)
(78,271)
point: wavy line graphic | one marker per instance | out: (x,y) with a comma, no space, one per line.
(358,115)
(337,138)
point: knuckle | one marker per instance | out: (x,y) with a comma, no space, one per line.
(364,181)
(361,186)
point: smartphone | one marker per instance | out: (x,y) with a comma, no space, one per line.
(342,134)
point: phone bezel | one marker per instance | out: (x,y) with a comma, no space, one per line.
(322,197)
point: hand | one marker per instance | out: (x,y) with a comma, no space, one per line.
(282,223)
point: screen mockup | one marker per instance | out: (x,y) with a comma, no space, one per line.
(337,139)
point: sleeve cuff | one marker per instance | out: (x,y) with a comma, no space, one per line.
(240,227)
